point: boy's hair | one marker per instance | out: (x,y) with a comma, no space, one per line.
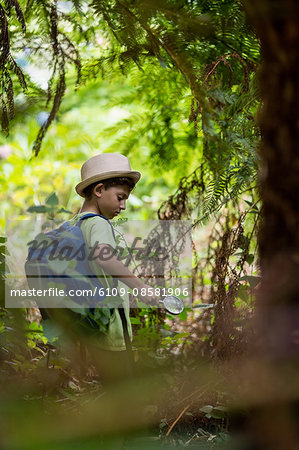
(87,192)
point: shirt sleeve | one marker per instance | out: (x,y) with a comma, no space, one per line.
(100,232)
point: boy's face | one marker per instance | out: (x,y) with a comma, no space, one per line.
(112,200)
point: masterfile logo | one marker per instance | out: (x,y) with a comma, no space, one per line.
(159,252)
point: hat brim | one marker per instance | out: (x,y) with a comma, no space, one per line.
(114,174)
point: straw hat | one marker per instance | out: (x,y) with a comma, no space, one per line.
(104,166)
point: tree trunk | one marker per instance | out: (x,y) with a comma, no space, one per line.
(277,25)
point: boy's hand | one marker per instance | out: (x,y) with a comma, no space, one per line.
(147,295)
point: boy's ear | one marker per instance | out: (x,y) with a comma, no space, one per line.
(97,190)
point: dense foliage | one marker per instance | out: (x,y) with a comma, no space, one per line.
(172,85)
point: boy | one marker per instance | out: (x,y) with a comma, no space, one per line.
(107,181)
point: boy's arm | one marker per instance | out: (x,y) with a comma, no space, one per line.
(105,257)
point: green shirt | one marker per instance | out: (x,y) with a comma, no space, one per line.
(97,230)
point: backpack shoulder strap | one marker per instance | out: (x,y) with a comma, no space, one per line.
(86,216)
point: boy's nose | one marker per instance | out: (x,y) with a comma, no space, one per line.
(123,204)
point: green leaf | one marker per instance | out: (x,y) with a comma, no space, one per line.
(35,327)
(219,412)
(52,200)
(252,280)
(180,335)
(206,409)
(135,321)
(183,315)
(51,331)
(243,293)
(250,259)
(63,210)
(38,209)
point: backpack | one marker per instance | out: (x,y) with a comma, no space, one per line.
(41,272)
(59,259)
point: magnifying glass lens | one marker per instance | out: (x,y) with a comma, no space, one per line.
(173,304)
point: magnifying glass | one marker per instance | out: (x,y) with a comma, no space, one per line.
(172,304)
